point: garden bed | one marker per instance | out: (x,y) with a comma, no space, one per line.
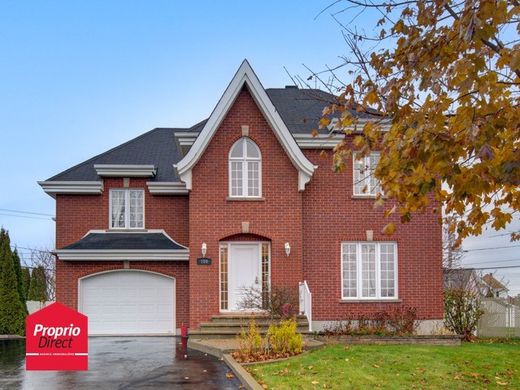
(390,340)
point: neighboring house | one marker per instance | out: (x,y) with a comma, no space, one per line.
(494,288)
(167,228)
(462,279)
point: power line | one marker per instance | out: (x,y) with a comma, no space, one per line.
(502,235)
(27,216)
(29,249)
(27,212)
(491,248)
(500,267)
(494,261)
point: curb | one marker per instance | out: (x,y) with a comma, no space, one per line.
(240,372)
(11,337)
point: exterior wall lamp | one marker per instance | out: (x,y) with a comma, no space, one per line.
(204,249)
(287,249)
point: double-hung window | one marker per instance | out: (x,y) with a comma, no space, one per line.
(365,182)
(369,270)
(245,169)
(126,209)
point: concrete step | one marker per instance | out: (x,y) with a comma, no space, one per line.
(238,329)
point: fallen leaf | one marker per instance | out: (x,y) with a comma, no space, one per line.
(230,375)
(375,365)
(315,382)
(502,383)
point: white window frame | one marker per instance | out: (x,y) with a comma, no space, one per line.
(245,171)
(359,276)
(127,209)
(366,180)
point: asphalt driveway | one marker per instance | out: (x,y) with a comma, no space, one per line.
(121,363)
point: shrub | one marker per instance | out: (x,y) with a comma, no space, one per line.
(462,312)
(281,302)
(398,321)
(403,320)
(284,339)
(249,342)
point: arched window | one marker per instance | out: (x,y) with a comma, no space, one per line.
(245,169)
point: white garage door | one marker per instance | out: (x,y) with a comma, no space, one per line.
(128,302)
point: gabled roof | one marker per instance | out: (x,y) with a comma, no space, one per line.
(492,282)
(245,76)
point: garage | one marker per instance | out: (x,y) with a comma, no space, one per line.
(128,302)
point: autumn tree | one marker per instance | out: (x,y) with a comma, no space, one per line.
(442,80)
(452,254)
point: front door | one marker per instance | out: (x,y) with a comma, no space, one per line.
(244,272)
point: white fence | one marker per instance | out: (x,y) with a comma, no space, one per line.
(33,306)
(500,319)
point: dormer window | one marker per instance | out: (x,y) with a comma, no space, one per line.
(245,169)
(126,209)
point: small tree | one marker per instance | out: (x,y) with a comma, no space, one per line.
(280,302)
(38,288)
(462,311)
(12,312)
(26,281)
(19,278)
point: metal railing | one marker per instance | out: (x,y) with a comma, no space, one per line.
(305,296)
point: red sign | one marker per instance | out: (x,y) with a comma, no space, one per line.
(56,339)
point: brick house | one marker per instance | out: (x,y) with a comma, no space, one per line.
(167,229)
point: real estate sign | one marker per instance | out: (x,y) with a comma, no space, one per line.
(56,339)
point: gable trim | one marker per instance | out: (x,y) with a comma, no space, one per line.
(246,76)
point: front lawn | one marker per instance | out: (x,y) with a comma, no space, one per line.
(477,365)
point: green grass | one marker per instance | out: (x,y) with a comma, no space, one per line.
(481,365)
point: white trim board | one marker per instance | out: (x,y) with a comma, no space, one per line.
(167,188)
(246,76)
(123,254)
(71,187)
(125,170)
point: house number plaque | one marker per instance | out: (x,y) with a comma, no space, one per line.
(203,261)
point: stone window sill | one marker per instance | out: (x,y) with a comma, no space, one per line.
(244,199)
(397,300)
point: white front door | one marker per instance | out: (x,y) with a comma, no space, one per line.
(243,272)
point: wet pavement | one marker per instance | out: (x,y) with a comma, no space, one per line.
(121,363)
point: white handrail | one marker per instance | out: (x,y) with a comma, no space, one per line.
(305,296)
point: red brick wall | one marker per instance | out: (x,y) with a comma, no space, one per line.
(212,217)
(331,215)
(68,273)
(77,214)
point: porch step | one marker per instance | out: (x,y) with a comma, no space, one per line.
(230,325)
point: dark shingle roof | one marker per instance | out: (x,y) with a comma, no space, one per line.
(133,241)
(300,109)
(158,147)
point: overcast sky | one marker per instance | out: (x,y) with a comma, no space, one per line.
(78,78)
